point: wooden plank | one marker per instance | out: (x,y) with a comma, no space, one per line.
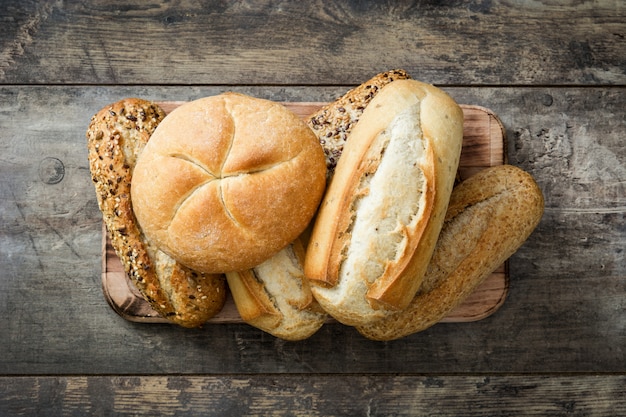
(312,43)
(315,395)
(483,146)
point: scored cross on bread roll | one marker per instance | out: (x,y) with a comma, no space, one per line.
(116,136)
(227,181)
(380,217)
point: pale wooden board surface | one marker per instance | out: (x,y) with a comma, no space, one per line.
(483,146)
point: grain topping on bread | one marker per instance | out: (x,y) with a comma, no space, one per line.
(116,136)
(333,122)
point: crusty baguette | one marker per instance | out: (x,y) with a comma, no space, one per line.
(490,215)
(116,136)
(379,221)
(333,123)
(276,298)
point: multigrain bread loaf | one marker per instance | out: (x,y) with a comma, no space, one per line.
(381,215)
(333,122)
(490,215)
(275,296)
(116,136)
(228,181)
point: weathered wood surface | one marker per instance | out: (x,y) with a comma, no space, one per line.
(480,42)
(310,396)
(553,71)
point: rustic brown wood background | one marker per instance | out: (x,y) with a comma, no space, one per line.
(555,73)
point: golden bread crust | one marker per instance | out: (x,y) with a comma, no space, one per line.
(227,181)
(382,217)
(490,216)
(276,297)
(117,134)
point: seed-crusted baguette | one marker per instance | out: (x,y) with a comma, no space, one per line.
(333,122)
(116,136)
(489,217)
(276,297)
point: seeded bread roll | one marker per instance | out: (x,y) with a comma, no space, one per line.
(490,215)
(275,296)
(379,221)
(333,123)
(116,136)
(228,181)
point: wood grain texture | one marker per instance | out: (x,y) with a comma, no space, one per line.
(486,42)
(483,146)
(306,395)
(564,311)
(554,72)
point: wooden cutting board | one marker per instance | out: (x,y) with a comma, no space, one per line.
(483,146)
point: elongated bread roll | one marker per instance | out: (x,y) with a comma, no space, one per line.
(116,136)
(275,296)
(490,215)
(379,221)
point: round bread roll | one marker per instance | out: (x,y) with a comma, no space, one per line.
(227,181)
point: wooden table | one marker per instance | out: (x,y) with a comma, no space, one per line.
(554,74)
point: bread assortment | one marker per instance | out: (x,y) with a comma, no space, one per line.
(352,215)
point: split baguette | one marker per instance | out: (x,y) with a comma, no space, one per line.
(384,207)
(116,136)
(275,296)
(490,215)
